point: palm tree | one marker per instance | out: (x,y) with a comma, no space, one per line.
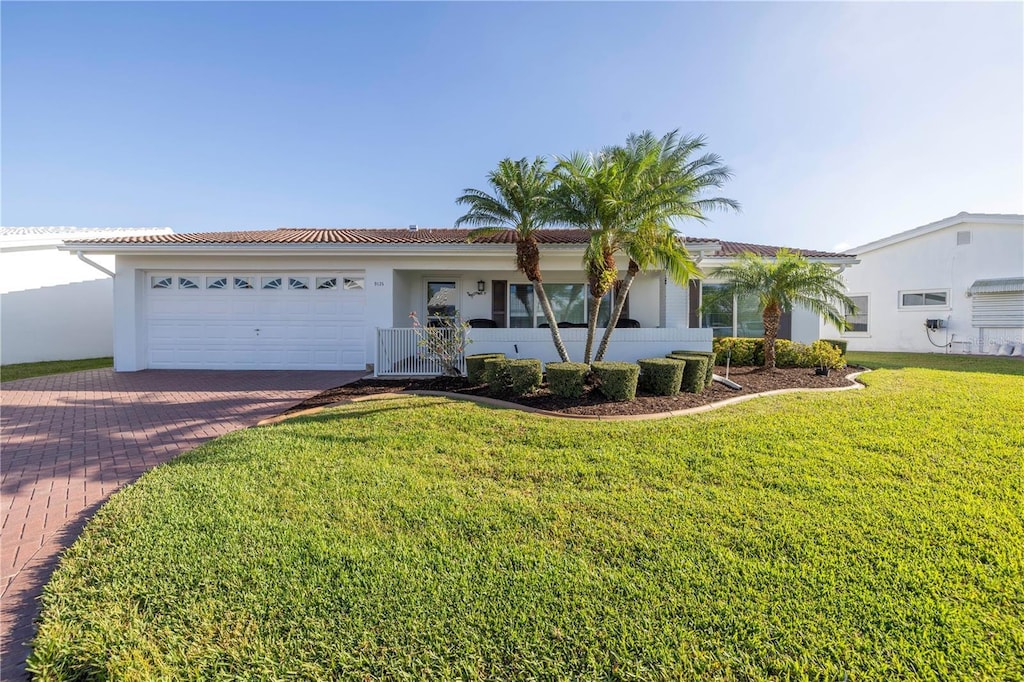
(670,186)
(521,202)
(629,197)
(780,283)
(588,195)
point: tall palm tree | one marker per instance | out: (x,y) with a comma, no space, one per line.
(521,202)
(589,195)
(670,186)
(629,197)
(781,283)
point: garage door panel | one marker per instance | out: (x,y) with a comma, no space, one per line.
(216,329)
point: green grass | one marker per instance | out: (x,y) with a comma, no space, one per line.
(952,363)
(27,370)
(876,534)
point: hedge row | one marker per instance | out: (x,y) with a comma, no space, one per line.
(682,370)
(750,351)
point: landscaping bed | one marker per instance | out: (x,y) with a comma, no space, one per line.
(752,379)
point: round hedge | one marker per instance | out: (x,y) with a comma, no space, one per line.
(475,370)
(694,372)
(566,379)
(617,380)
(661,376)
(512,377)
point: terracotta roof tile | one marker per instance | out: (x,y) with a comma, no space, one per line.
(308,235)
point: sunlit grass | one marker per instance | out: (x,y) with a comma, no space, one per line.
(27,370)
(874,533)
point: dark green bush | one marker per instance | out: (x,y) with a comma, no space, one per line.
(660,376)
(566,379)
(496,375)
(617,380)
(838,343)
(695,371)
(475,366)
(708,377)
(512,377)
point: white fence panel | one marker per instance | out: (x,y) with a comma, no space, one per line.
(400,351)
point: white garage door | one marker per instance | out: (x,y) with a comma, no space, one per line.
(263,320)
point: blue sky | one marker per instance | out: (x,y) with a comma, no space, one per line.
(842,122)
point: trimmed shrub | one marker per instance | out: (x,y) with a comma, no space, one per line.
(512,377)
(617,380)
(708,377)
(566,379)
(745,351)
(826,354)
(750,352)
(838,343)
(695,372)
(475,366)
(660,376)
(789,354)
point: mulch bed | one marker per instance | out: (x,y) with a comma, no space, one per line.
(752,379)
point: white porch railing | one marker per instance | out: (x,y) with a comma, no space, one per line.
(401,353)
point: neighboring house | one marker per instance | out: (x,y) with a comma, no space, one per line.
(54,306)
(328,298)
(965,274)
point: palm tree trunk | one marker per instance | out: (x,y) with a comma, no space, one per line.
(772,317)
(620,303)
(545,305)
(595,311)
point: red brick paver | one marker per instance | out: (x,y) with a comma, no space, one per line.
(70,440)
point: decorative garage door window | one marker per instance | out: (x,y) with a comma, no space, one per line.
(220,282)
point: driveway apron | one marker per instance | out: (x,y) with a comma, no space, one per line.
(70,440)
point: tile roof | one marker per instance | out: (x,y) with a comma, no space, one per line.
(736,248)
(308,235)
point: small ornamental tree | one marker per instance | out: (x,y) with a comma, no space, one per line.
(780,283)
(444,343)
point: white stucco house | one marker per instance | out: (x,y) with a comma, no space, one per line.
(955,285)
(341,298)
(54,306)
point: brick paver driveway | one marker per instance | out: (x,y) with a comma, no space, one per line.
(70,440)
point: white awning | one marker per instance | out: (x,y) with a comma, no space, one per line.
(1005,285)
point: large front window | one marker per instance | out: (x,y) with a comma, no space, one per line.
(716,309)
(730,315)
(570,304)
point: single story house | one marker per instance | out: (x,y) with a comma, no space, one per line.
(955,285)
(342,298)
(54,306)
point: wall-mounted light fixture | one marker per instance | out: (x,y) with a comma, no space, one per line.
(481,288)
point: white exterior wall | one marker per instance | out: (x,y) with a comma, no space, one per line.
(394,285)
(52,305)
(932,261)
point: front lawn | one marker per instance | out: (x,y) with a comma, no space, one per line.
(873,534)
(27,370)
(954,363)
